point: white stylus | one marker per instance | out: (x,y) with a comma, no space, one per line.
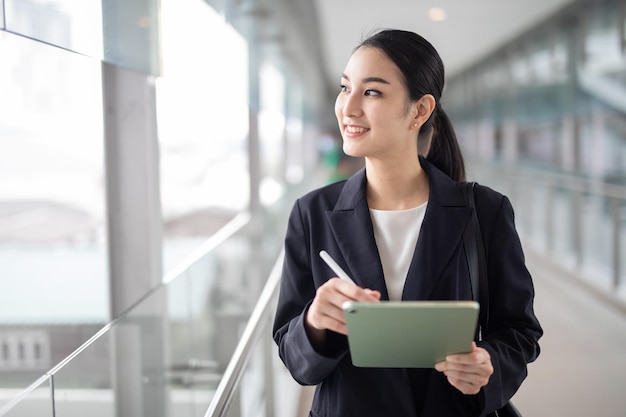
(335,267)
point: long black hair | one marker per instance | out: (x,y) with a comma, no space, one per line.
(423,73)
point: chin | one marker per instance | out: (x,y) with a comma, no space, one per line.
(350,151)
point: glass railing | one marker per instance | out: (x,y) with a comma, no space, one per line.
(578,223)
(167,354)
(164,355)
(170,352)
(249,383)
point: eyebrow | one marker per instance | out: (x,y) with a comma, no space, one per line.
(369,79)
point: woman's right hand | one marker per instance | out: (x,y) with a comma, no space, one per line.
(325,312)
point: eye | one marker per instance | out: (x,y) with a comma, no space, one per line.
(371,92)
(343,88)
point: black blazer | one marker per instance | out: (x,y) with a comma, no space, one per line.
(336,218)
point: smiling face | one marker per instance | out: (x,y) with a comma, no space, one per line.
(375,116)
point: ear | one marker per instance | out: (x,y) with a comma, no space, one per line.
(422,109)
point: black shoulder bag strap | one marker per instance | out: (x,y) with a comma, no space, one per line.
(476,261)
(475,255)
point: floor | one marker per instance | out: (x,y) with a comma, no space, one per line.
(582,367)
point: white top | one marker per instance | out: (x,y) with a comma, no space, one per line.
(396,233)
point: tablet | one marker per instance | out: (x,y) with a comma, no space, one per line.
(409,334)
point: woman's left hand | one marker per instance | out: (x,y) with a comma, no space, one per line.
(467,372)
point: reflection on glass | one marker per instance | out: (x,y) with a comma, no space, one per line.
(203,125)
(52,242)
(70,24)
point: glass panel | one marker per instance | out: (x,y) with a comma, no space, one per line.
(70,24)
(251,397)
(83,386)
(203,125)
(179,335)
(37,402)
(1,14)
(52,206)
(131,34)
(266,387)
(25,354)
(193,325)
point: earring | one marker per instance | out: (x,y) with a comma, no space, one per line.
(414,124)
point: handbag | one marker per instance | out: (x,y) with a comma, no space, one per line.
(475,254)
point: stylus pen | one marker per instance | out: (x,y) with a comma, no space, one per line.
(335,267)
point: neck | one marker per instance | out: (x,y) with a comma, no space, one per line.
(396,186)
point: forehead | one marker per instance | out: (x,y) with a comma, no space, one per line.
(369,62)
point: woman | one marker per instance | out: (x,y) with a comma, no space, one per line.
(396,227)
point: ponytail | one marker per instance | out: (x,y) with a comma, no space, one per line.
(444,151)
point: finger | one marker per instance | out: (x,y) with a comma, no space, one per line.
(466,387)
(325,316)
(353,292)
(466,383)
(440,366)
(374,293)
(326,310)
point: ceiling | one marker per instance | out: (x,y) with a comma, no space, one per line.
(472,28)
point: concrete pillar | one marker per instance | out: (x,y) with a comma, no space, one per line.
(134,226)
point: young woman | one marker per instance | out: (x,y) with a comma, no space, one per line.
(396,227)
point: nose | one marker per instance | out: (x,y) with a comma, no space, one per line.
(349,105)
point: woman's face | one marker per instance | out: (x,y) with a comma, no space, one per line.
(373,110)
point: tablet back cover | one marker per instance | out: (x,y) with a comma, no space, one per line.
(409,334)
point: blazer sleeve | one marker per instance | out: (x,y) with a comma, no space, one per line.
(513,330)
(297,290)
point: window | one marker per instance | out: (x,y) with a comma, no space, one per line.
(202,107)
(52,206)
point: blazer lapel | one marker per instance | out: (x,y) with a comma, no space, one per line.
(352,228)
(440,234)
(446,215)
